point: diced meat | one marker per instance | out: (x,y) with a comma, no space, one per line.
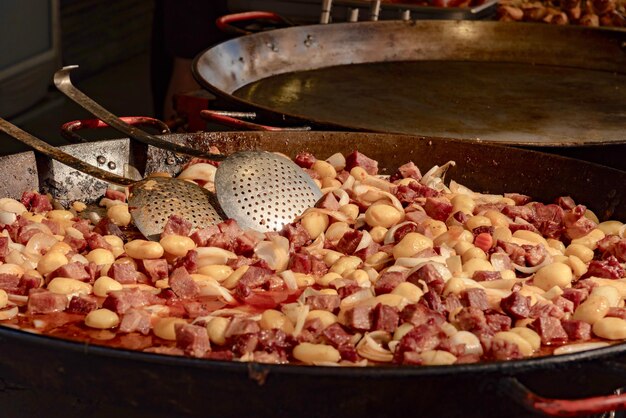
(349,241)
(221,240)
(305,160)
(385,318)
(419,314)
(201,236)
(516,305)
(365,253)
(401,231)
(420,338)
(550,330)
(311,332)
(4,247)
(429,275)
(612,245)
(323,302)
(336,335)
(617,313)
(548,219)
(407,194)
(176,225)
(348,353)
(106,227)
(498,322)
(43,302)
(9,282)
(54,226)
(505,350)
(534,254)
(471,319)
(182,284)
(230,228)
(189,261)
(296,234)
(78,245)
(76,270)
(566,202)
(543,309)
(123,273)
(120,301)
(576,224)
(360,318)
(328,201)
(438,208)
(136,320)
(410,170)
(156,269)
(192,339)
(576,330)
(356,159)
(245,243)
(476,298)
(515,252)
(348,289)
(452,304)
(388,281)
(82,304)
(36,202)
(566,305)
(524,212)
(95,240)
(486,275)
(519,199)
(433,300)
(82,225)
(115,195)
(577,296)
(609,269)
(523,227)
(28,282)
(239,326)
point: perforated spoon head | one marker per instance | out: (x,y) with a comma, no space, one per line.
(263,190)
(153,200)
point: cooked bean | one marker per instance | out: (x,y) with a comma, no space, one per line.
(219,272)
(51,261)
(327,318)
(593,309)
(555,274)
(402,330)
(435,227)
(327,278)
(437,358)
(378,234)
(104,284)
(584,253)
(100,256)
(473,253)
(409,291)
(578,267)
(463,203)
(304,280)
(531,237)
(411,244)
(350,209)
(143,250)
(469,340)
(345,265)
(476,264)
(102,319)
(232,280)
(61,247)
(529,335)
(497,219)
(611,294)
(273,319)
(324,169)
(4,299)
(119,215)
(556,244)
(165,328)
(383,215)
(216,328)
(476,221)
(501,233)
(360,276)
(67,286)
(59,215)
(591,239)
(463,246)
(511,337)
(177,245)
(455,286)
(315,223)
(316,353)
(336,231)
(610,328)
(610,227)
(359,173)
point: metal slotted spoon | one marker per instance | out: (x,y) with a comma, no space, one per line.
(152,200)
(260,190)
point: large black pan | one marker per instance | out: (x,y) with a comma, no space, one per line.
(529,85)
(46,377)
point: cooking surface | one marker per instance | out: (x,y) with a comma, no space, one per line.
(495,101)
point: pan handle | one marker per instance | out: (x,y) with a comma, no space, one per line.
(514,389)
(225,23)
(231,120)
(68,130)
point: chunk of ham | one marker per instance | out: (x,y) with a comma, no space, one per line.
(44,302)
(183,284)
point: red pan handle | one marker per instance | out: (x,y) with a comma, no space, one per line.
(225,23)
(226,119)
(68,130)
(562,407)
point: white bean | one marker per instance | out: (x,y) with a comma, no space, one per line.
(610,328)
(316,353)
(102,319)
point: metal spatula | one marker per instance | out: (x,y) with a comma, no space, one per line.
(260,190)
(152,200)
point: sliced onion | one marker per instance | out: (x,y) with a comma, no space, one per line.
(370,347)
(441,268)
(530,270)
(366,240)
(434,177)
(212,288)
(274,253)
(9,313)
(446,251)
(213,255)
(11,205)
(349,183)
(317,246)
(460,189)
(337,160)
(35,225)
(7,218)
(379,183)
(455,264)
(40,243)
(335,214)
(343,197)
(21,299)
(356,298)
(362,190)
(500,261)
(302,312)
(290,280)
(415,262)
(389,236)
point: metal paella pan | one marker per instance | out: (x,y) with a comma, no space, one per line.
(43,375)
(517,84)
